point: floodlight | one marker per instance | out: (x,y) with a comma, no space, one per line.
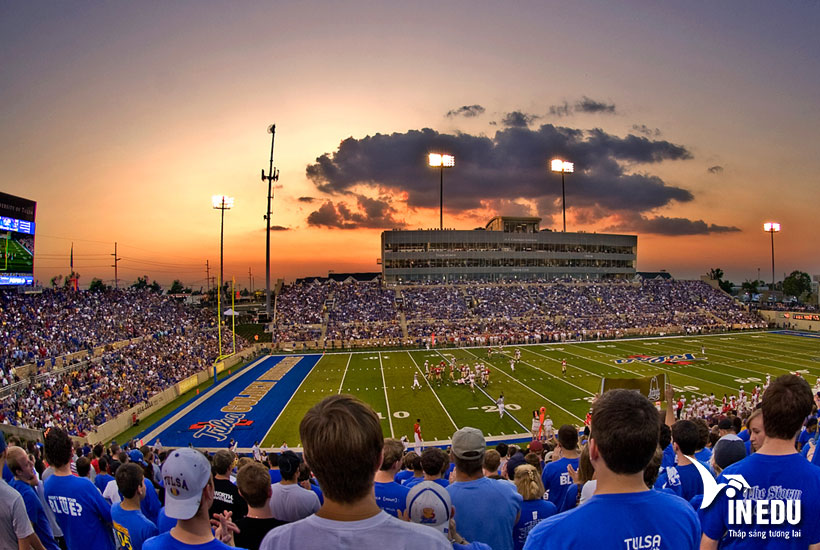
(221,202)
(771,227)
(559,165)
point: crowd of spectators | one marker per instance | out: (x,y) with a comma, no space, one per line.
(167,342)
(636,473)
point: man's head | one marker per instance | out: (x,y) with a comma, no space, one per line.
(811,425)
(502,449)
(289,465)
(664,436)
(624,432)
(685,436)
(788,401)
(342,440)
(728,450)
(468,450)
(703,433)
(83,466)
(19,463)
(432,461)
(408,460)
(253,481)
(130,481)
(222,462)
(492,461)
(568,437)
(188,486)
(393,450)
(58,447)
(725,426)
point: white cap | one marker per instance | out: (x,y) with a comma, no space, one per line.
(429,504)
(185,473)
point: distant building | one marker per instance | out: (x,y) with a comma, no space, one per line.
(654,275)
(508,248)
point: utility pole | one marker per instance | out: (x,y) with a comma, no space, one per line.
(250,280)
(273,175)
(116,260)
(208,276)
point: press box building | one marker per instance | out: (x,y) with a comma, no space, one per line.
(508,248)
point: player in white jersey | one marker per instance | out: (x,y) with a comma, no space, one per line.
(518,355)
(564,367)
(426,368)
(512,364)
(500,403)
(472,382)
(416,383)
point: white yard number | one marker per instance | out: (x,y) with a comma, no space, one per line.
(749,380)
(494,408)
(401,414)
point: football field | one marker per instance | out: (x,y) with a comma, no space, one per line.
(384,380)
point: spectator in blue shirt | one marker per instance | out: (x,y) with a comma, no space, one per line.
(556,478)
(131,527)
(390,496)
(623,513)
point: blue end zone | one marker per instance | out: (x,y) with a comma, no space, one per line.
(208,426)
(797,333)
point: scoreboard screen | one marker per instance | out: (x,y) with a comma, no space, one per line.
(16,240)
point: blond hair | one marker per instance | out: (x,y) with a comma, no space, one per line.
(528,482)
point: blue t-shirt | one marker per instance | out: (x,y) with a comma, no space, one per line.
(131,528)
(668,456)
(164,523)
(487,510)
(101,480)
(391,497)
(749,447)
(744,435)
(557,480)
(704,454)
(402,476)
(318,491)
(532,513)
(275,476)
(649,519)
(771,478)
(36,513)
(82,513)
(685,481)
(166,542)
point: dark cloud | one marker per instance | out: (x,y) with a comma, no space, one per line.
(646,130)
(372,213)
(307,199)
(518,119)
(587,105)
(662,225)
(717,169)
(279,228)
(511,165)
(468,111)
(564,109)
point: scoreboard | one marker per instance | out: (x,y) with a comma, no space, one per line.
(16,240)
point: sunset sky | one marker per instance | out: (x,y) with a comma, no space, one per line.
(690,123)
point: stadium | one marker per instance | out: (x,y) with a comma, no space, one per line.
(511,276)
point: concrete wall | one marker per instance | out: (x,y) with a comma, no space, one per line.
(785,319)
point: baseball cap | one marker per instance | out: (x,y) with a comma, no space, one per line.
(469,443)
(429,504)
(137,456)
(185,473)
(728,450)
(288,464)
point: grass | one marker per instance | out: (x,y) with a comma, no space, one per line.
(383,379)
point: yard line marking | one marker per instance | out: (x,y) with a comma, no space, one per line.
(568,365)
(349,357)
(529,388)
(434,391)
(386,401)
(281,414)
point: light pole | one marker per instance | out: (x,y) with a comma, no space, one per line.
(440,161)
(273,175)
(564,167)
(221,202)
(772,227)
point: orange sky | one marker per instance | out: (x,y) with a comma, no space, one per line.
(121,121)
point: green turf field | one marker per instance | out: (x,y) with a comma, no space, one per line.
(384,379)
(14,257)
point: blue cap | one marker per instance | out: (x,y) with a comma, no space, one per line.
(136,456)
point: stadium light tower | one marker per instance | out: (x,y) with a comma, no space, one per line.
(221,202)
(772,227)
(273,175)
(440,161)
(564,167)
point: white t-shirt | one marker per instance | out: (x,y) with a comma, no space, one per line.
(112,492)
(376,533)
(588,490)
(14,522)
(292,502)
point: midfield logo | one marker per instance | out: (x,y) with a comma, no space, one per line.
(679,359)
